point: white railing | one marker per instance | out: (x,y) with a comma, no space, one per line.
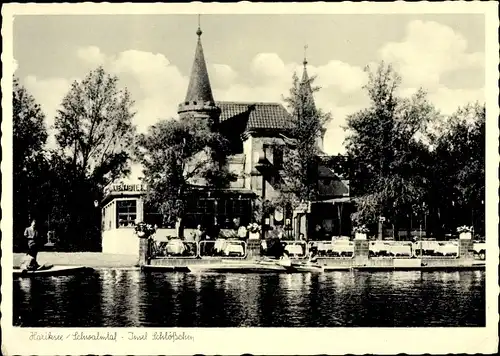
(295,249)
(439,249)
(222,248)
(332,248)
(386,249)
(175,248)
(406,249)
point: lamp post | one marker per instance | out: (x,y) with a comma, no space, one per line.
(425,222)
(261,165)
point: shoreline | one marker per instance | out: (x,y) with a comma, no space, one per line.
(98,260)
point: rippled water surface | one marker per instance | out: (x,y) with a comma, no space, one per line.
(123,298)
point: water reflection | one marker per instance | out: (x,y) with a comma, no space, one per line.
(131,298)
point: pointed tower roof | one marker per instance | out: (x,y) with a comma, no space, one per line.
(305,83)
(199,98)
(199,84)
(308,94)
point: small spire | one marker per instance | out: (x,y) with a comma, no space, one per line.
(199,32)
(305,84)
(305,56)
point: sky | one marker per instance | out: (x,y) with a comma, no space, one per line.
(252,58)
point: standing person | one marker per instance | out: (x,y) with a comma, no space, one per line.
(319,235)
(242,232)
(199,235)
(31,235)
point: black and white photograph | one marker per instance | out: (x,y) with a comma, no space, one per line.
(170,171)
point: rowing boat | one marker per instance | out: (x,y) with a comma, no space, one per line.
(263,266)
(50,271)
(306,267)
(255,267)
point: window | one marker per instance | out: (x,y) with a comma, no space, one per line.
(126,213)
(278,157)
(204,211)
(107,216)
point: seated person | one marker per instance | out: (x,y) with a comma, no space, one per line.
(175,247)
(312,258)
(285,259)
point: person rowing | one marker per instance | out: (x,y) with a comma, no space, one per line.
(29,262)
(31,234)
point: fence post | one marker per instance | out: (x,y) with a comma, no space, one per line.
(466,249)
(144,251)
(361,248)
(253,249)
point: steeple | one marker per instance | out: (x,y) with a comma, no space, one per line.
(308,95)
(199,100)
(305,83)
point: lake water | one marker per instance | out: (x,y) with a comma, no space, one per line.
(128,298)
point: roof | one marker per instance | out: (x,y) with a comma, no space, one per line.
(305,86)
(199,89)
(257,115)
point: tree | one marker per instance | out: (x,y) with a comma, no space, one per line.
(29,161)
(389,175)
(178,155)
(94,127)
(459,167)
(94,133)
(301,150)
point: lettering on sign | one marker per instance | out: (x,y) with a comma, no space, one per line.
(127,188)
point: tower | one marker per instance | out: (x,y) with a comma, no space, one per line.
(306,92)
(305,84)
(199,101)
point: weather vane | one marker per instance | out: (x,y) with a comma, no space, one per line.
(305,54)
(199,32)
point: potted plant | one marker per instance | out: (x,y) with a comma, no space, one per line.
(254,231)
(360,232)
(464,232)
(144,230)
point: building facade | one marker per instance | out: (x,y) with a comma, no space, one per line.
(256,132)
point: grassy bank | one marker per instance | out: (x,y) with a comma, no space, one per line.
(87,259)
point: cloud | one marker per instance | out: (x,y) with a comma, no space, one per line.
(222,75)
(268,67)
(48,93)
(449,100)
(15,65)
(91,55)
(159,86)
(341,75)
(429,50)
(271,78)
(335,135)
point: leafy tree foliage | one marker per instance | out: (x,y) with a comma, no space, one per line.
(94,133)
(29,161)
(94,127)
(301,151)
(178,155)
(459,170)
(388,158)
